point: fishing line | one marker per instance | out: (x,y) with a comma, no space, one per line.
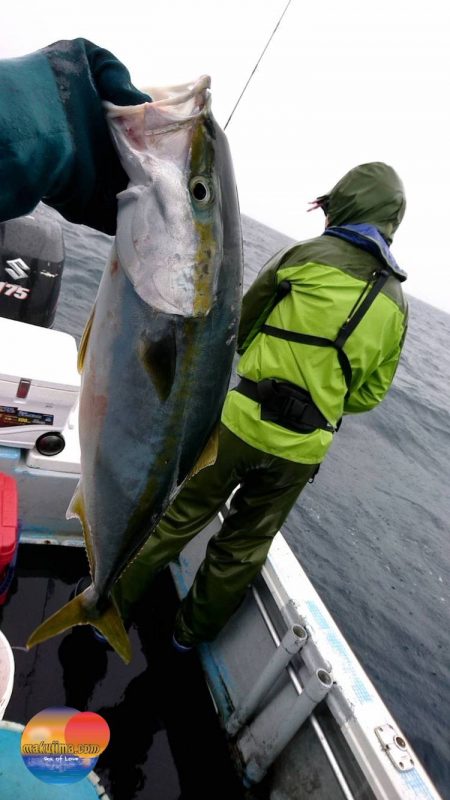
(257,64)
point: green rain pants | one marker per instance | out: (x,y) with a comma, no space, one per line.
(269,486)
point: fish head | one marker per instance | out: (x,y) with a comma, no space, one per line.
(170,223)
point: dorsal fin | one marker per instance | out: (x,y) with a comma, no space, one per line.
(85,341)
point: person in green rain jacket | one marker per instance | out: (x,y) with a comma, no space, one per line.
(321,333)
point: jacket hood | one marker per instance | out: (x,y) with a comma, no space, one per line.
(371,193)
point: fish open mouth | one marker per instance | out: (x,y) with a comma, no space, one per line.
(171,107)
(169,237)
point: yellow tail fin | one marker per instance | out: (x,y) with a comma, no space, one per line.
(80,612)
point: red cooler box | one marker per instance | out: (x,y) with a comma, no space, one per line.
(9,537)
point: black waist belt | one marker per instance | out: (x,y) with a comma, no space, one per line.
(285,404)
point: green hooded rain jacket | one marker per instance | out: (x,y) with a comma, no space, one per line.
(328,276)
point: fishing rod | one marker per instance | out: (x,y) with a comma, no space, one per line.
(257,63)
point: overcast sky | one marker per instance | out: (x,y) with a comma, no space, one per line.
(341,84)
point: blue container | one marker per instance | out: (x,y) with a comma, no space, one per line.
(16,781)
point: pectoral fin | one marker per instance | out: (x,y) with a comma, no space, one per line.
(160,361)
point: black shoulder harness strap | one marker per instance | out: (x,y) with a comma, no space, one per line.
(362,306)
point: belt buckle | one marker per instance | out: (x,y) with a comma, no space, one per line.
(294,408)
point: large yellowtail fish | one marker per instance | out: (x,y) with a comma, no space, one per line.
(157,352)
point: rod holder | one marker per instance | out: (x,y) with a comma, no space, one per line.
(261,753)
(291,643)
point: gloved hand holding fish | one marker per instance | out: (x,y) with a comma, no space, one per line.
(157,352)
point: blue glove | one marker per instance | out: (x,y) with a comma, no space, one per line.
(54,141)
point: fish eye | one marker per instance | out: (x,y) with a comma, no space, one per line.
(200,190)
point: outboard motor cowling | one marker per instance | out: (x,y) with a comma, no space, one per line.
(31,267)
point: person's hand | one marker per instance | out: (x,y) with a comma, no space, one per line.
(54,141)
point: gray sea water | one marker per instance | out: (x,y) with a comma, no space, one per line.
(372,532)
